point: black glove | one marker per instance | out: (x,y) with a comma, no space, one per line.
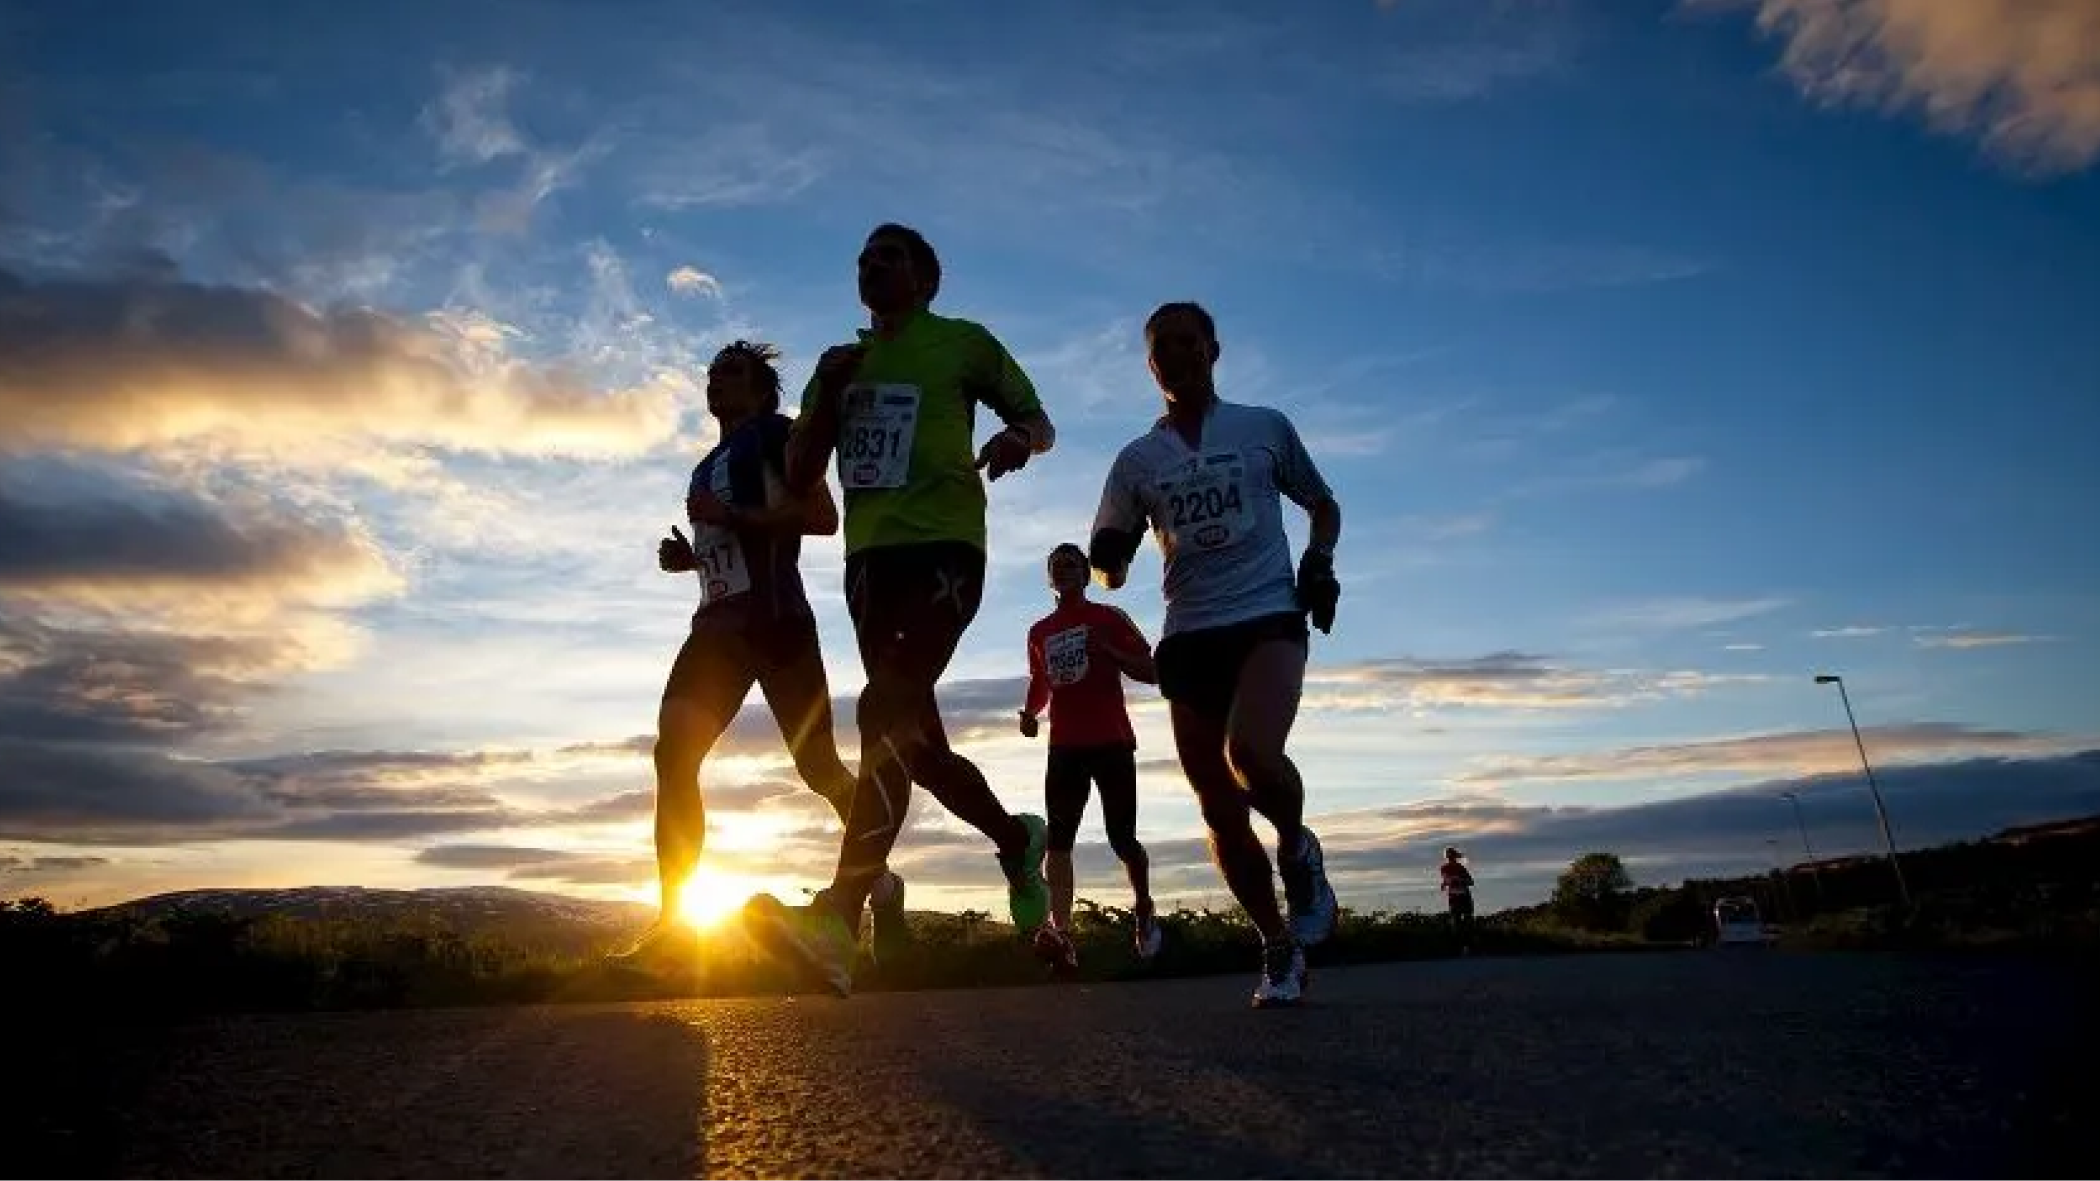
(674,554)
(1319,591)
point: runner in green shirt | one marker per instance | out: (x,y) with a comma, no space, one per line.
(898,408)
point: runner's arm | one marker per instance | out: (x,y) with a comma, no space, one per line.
(820,513)
(1000,384)
(784,511)
(811,514)
(1038,682)
(1119,525)
(1299,478)
(1133,655)
(813,438)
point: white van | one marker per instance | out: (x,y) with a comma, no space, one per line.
(1736,921)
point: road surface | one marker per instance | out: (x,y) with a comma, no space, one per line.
(1716,1063)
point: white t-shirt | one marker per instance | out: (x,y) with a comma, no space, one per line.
(1216,511)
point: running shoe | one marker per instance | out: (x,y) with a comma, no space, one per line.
(1055,948)
(892,931)
(1027,894)
(1282,982)
(812,939)
(1147,936)
(1312,904)
(663,940)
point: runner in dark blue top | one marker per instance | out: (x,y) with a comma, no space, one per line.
(753,625)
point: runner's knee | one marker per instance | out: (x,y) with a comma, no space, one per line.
(1064,833)
(1254,761)
(1224,812)
(1127,848)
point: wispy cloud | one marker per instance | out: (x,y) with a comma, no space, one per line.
(1682,614)
(1455,52)
(469,118)
(1446,528)
(1969,639)
(1501,680)
(1852,631)
(1465,263)
(1808,752)
(2020,76)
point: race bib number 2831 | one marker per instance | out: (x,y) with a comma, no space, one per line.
(1204,504)
(875,438)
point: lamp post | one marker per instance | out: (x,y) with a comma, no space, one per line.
(1786,883)
(1807,850)
(1881,811)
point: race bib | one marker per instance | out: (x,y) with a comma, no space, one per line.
(1203,503)
(1064,656)
(718,556)
(876,435)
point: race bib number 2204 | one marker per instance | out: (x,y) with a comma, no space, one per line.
(875,438)
(1204,505)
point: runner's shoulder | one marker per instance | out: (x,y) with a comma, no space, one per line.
(957,332)
(1112,612)
(1252,421)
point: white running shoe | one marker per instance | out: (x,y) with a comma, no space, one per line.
(1313,908)
(1282,981)
(1147,937)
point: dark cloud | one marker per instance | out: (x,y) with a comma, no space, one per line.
(128,686)
(590,871)
(1498,680)
(47,543)
(627,805)
(84,794)
(1388,857)
(111,363)
(13,864)
(1516,850)
(488,856)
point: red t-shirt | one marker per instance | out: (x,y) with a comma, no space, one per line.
(1456,879)
(1068,672)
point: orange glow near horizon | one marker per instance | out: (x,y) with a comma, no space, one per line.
(711,897)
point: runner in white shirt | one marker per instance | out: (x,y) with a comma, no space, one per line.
(1208,480)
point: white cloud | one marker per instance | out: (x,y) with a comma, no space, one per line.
(691,280)
(1683,614)
(2020,76)
(469,119)
(1848,632)
(1967,639)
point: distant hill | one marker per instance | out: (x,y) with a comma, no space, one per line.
(466,910)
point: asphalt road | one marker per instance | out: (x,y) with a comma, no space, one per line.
(1716,1063)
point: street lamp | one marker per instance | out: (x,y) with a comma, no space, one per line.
(1807,849)
(1881,811)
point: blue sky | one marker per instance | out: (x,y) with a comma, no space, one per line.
(348,363)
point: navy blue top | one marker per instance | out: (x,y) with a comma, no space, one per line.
(747,577)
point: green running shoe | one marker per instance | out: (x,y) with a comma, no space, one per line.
(1027,894)
(813,939)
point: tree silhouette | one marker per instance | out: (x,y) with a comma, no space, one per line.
(1592,892)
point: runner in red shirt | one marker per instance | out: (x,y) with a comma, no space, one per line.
(1458,895)
(1078,656)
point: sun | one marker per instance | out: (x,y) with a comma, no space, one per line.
(710,898)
